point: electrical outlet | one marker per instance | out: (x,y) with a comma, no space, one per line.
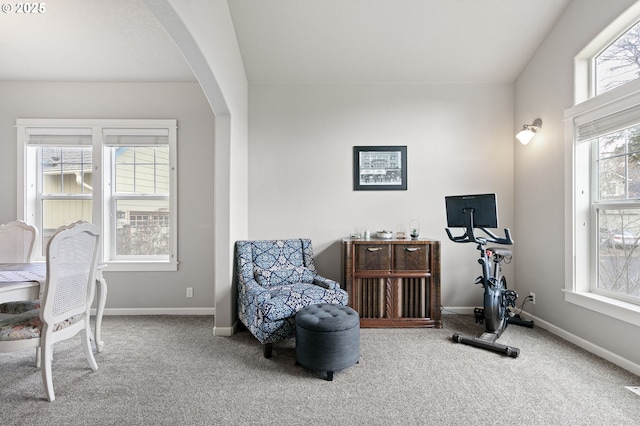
(189,291)
(532,297)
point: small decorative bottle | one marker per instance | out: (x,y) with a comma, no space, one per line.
(414,225)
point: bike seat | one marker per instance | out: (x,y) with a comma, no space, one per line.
(504,252)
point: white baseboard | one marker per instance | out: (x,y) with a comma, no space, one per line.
(578,341)
(225,331)
(158,311)
(585,344)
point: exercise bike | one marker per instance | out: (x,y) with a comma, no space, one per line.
(473,212)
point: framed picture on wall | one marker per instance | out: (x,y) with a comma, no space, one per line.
(379,168)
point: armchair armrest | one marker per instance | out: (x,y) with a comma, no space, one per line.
(326,283)
(253,290)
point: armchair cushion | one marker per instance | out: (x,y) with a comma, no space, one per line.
(287,300)
(282,276)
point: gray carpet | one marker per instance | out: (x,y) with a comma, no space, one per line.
(164,370)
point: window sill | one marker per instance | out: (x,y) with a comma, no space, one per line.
(623,311)
(120,266)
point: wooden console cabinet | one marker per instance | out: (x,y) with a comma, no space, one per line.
(393,283)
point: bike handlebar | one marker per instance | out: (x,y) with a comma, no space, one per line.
(469,237)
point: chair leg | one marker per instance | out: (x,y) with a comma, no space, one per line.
(86,346)
(267,350)
(47,352)
(38,357)
(101,295)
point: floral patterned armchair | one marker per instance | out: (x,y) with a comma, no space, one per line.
(277,278)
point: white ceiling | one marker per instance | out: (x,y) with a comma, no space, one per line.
(89,40)
(286,41)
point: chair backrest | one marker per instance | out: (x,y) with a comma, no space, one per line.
(17,240)
(260,258)
(72,257)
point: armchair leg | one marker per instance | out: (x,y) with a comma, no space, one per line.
(267,350)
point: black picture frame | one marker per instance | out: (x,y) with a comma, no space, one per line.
(380,168)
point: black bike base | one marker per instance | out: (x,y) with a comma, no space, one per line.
(487,341)
(519,321)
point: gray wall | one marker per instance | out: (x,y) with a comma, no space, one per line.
(459,140)
(134,292)
(545,89)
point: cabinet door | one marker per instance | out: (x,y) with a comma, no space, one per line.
(373,257)
(369,297)
(411,257)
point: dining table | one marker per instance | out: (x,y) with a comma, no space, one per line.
(26,281)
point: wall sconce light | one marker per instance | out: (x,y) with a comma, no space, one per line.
(529,131)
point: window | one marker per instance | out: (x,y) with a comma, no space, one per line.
(616,211)
(140,183)
(64,186)
(603,154)
(619,62)
(119,174)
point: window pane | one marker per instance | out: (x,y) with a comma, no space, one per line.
(619,63)
(145,178)
(125,181)
(142,170)
(65,170)
(619,165)
(619,256)
(162,173)
(611,145)
(142,227)
(634,176)
(56,213)
(612,181)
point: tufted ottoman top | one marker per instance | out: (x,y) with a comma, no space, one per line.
(327,317)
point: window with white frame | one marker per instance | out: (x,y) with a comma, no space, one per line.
(618,63)
(613,142)
(119,174)
(604,140)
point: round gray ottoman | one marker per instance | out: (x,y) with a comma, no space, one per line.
(327,337)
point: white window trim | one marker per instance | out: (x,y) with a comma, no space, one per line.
(578,260)
(96,125)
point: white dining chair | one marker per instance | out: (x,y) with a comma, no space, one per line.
(17,244)
(17,241)
(72,255)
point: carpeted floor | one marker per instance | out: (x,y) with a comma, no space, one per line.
(170,370)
